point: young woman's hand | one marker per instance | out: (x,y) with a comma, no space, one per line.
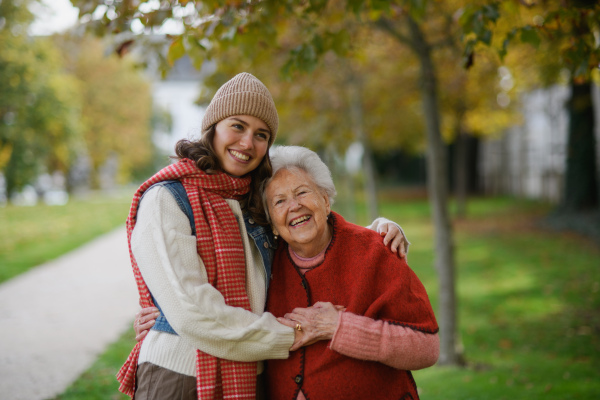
(312,324)
(394,238)
(144,320)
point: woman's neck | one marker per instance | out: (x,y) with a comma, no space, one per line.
(305,263)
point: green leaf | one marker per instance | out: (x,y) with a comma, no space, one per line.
(355,6)
(317,6)
(504,49)
(318,44)
(417,8)
(467,58)
(491,12)
(341,42)
(307,58)
(509,37)
(195,50)
(176,50)
(381,5)
(486,37)
(530,35)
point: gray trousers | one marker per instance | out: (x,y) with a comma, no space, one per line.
(157,383)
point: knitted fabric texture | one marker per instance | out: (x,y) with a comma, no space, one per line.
(219,244)
(244,94)
(360,273)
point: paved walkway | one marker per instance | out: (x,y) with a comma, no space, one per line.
(57,318)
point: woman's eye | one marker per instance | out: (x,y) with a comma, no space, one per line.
(263,136)
(238,126)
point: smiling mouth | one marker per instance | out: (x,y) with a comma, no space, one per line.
(239,156)
(300,220)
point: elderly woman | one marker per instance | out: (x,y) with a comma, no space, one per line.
(371,321)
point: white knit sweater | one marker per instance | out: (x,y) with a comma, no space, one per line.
(165,250)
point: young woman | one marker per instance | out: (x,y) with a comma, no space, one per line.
(201,252)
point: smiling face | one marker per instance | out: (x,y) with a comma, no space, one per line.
(241,143)
(299,210)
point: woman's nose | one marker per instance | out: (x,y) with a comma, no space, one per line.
(246,140)
(295,204)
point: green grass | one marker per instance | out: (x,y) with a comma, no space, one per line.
(529,307)
(33,235)
(99,382)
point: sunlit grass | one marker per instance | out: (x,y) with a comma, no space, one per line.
(529,308)
(30,236)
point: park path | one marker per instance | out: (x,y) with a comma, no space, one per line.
(58,317)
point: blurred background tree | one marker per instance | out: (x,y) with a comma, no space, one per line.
(116,106)
(67,107)
(39,106)
(566,35)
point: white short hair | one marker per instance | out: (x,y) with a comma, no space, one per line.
(290,157)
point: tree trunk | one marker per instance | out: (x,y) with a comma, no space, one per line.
(461,174)
(370,184)
(356,112)
(437,185)
(350,202)
(581,177)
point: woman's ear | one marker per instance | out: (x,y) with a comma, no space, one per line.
(275,232)
(327,204)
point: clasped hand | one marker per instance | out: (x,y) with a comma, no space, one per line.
(318,322)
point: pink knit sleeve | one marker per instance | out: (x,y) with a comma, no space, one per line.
(396,346)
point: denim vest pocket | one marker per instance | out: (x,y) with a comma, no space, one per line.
(161,323)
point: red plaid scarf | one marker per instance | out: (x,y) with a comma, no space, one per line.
(220,246)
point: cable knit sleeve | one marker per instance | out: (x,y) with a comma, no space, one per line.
(396,346)
(165,251)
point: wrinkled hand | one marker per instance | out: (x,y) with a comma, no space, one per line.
(144,320)
(318,323)
(394,238)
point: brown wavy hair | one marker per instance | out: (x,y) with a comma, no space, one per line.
(203,154)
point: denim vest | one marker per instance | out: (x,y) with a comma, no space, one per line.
(261,236)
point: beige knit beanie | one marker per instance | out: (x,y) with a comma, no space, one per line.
(244,94)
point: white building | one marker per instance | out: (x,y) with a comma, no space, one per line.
(177,94)
(529,160)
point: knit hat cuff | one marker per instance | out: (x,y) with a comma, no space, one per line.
(242,103)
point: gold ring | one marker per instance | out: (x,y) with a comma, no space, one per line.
(299,327)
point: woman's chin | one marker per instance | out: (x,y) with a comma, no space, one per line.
(237,170)
(302,244)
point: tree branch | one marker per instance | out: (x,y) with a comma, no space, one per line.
(448,38)
(387,26)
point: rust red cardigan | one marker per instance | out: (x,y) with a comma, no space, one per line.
(360,273)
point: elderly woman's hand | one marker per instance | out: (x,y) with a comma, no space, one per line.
(312,324)
(393,237)
(144,320)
